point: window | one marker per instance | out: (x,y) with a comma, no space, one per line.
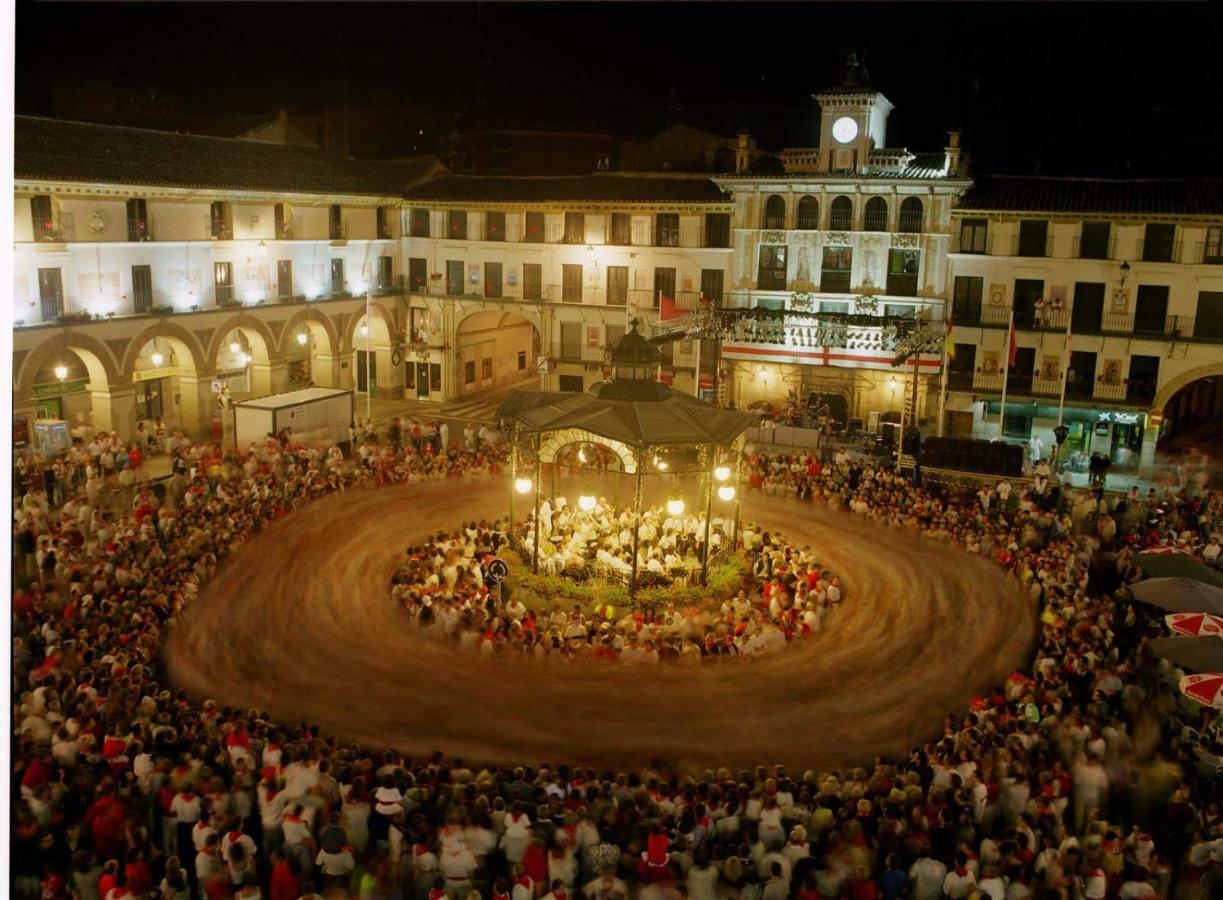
(486,369)
(1151,309)
(418,222)
(837,264)
(222,220)
(138,220)
(142,288)
(1027,292)
(382,218)
(841,214)
(469,372)
(1159,243)
(911,214)
(1087,312)
(712,281)
(774,213)
(282,215)
(621,229)
(575,228)
(831,306)
(51,293)
(717,229)
(903,266)
(456,224)
(532,281)
(284,278)
(418,275)
(571,340)
(534,231)
(617,285)
(223,281)
(337,276)
(771,275)
(1033,237)
(973,234)
(900,310)
(335,222)
(1212,250)
(42,213)
(571,283)
(966,299)
(386,273)
(494,226)
(454,278)
(664,284)
(492,279)
(522,360)
(876,218)
(1093,244)
(571,384)
(666,230)
(808,215)
(1209,321)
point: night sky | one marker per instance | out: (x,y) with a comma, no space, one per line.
(1084,88)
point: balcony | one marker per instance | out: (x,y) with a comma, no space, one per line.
(1032,247)
(1209,253)
(970,243)
(1094,249)
(567,351)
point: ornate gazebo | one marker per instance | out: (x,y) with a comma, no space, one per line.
(636,418)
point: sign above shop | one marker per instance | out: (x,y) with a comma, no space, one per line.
(60,388)
(152,374)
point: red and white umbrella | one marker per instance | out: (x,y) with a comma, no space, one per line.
(1206,688)
(1195,624)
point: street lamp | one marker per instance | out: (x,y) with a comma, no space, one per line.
(523,485)
(726,492)
(61,372)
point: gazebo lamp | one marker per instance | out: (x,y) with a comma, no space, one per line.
(586,502)
(582,454)
(660,464)
(675,506)
(722,473)
(523,485)
(726,492)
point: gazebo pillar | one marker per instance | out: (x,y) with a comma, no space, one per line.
(538,478)
(734,534)
(632,585)
(513,475)
(710,459)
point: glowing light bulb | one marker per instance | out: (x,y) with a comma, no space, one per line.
(523,485)
(61,371)
(301,338)
(234,347)
(721,473)
(581,454)
(364,330)
(245,359)
(675,506)
(157,359)
(726,492)
(586,502)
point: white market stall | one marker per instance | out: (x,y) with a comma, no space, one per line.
(313,415)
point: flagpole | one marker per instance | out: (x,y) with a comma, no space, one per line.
(1061,403)
(942,399)
(1006,372)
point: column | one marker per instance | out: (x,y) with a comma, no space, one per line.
(269,378)
(1146,456)
(325,369)
(196,403)
(114,410)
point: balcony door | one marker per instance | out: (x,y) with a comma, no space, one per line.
(51,293)
(418,275)
(1020,378)
(1081,378)
(617,285)
(454,277)
(284,278)
(1151,309)
(142,288)
(1088,308)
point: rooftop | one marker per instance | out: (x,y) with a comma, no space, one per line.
(57,150)
(1023,193)
(599,188)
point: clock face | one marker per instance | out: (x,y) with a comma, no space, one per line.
(844,129)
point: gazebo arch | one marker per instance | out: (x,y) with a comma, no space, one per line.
(555,440)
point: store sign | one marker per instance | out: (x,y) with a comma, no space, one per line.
(60,388)
(1120,418)
(153,374)
(21,432)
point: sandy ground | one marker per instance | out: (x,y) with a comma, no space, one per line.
(300,622)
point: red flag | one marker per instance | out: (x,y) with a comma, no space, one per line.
(1013,347)
(667,308)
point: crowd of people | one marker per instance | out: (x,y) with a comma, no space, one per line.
(444,586)
(1080,777)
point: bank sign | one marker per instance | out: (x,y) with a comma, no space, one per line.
(60,388)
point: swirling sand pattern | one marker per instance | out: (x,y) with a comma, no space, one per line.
(299,622)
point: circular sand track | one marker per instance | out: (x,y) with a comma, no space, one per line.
(299,622)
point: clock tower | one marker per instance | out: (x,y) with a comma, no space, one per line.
(853,122)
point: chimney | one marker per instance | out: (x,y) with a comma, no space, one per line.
(951,162)
(743,152)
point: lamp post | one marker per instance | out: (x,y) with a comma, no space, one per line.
(369,388)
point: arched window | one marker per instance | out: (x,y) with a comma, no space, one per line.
(841,214)
(876,215)
(808,218)
(774,212)
(911,215)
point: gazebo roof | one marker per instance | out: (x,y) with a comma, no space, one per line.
(667,418)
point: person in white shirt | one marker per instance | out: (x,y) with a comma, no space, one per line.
(960,881)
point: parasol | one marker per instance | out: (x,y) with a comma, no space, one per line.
(1177,564)
(1198,654)
(1194,624)
(1206,688)
(1180,595)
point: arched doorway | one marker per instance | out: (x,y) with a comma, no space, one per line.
(1194,414)
(495,350)
(66,383)
(309,351)
(372,352)
(166,383)
(243,362)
